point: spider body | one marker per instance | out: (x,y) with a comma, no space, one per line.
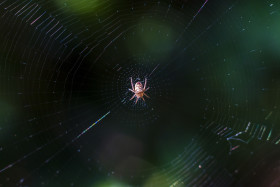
(138,90)
(138,87)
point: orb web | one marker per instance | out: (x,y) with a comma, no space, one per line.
(65,73)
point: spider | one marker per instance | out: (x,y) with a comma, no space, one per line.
(139,91)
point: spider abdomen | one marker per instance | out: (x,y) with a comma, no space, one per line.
(138,87)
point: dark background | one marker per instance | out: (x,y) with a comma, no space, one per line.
(212,116)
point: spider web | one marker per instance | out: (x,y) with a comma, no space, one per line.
(66,114)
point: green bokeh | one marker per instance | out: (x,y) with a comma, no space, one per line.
(77,6)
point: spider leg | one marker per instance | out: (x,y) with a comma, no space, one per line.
(143,98)
(132,97)
(147,89)
(131,83)
(136,100)
(145,83)
(132,90)
(146,95)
